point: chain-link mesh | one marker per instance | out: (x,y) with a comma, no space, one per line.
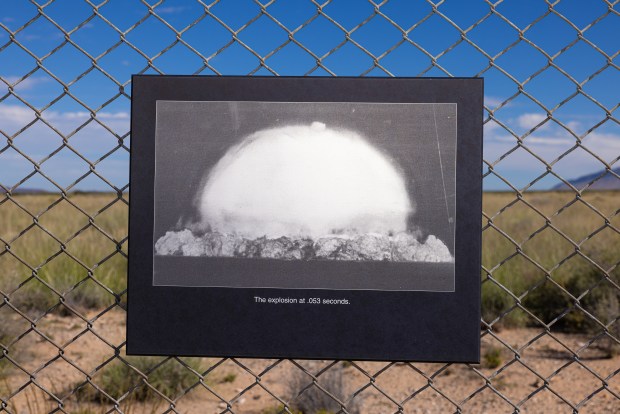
(63,353)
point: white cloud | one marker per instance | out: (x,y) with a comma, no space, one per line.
(93,140)
(604,144)
(492,101)
(170,9)
(574,126)
(13,115)
(20,114)
(552,141)
(26,84)
(491,127)
(530,120)
(519,166)
(83,115)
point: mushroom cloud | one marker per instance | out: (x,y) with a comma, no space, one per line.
(304,181)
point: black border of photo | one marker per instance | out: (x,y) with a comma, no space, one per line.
(372,325)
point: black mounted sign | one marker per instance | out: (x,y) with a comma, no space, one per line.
(327,218)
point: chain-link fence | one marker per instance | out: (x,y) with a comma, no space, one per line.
(551,291)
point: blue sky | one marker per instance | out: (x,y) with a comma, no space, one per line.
(105,89)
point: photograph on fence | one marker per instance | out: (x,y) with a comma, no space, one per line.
(338,215)
(305,181)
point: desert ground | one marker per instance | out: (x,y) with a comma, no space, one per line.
(234,382)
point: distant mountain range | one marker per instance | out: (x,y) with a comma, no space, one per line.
(20,190)
(606,182)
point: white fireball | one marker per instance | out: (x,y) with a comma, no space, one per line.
(304,181)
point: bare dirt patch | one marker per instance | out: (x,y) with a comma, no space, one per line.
(545,373)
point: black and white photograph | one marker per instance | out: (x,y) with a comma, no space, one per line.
(341,216)
(255,184)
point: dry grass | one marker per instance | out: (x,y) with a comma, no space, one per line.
(547,244)
(89,256)
(538,241)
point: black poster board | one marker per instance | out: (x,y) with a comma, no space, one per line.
(319,218)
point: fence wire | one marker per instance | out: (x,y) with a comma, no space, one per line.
(43,383)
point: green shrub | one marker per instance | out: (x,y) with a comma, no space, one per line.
(492,358)
(4,368)
(279,409)
(495,302)
(117,378)
(548,302)
(229,378)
